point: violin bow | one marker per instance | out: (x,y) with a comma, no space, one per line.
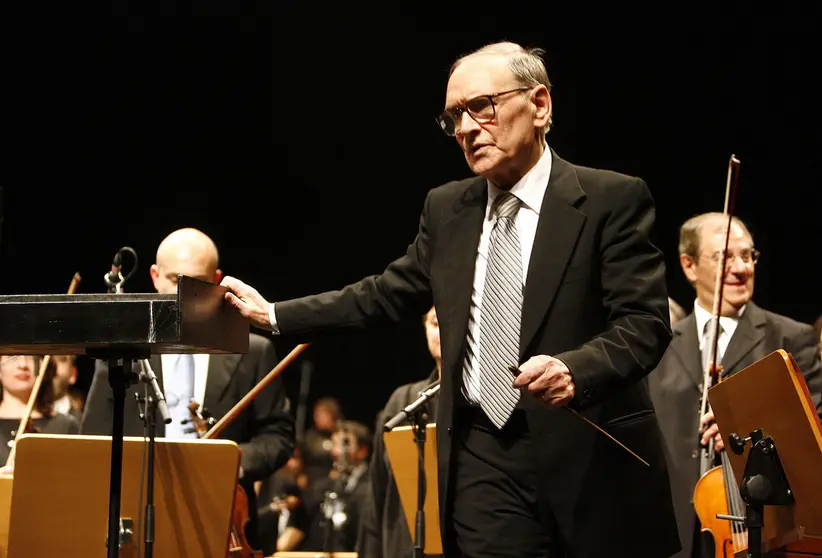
(220,425)
(711,372)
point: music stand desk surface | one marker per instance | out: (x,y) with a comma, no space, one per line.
(771,394)
(403,458)
(61,489)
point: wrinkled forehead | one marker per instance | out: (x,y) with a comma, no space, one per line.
(713,233)
(480,74)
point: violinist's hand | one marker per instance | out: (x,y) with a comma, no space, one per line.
(710,431)
(7,471)
(547,379)
(251,304)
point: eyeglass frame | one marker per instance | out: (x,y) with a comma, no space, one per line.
(456,112)
(729,258)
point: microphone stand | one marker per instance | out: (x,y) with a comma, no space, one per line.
(419,419)
(155,401)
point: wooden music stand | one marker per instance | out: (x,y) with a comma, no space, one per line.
(401,449)
(58,505)
(771,395)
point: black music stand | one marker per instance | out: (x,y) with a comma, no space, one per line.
(121,329)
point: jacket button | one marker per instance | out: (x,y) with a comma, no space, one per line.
(695,454)
(448,430)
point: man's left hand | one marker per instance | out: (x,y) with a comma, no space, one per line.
(547,379)
(710,431)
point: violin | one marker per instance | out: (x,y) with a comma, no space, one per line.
(716,491)
(238,545)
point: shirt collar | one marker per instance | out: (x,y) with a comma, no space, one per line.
(702,316)
(530,189)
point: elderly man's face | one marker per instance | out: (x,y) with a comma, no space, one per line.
(506,147)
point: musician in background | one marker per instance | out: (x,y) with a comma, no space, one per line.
(264,430)
(317,444)
(283,513)
(17,376)
(67,400)
(384,528)
(336,527)
(747,334)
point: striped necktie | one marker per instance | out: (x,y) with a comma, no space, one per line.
(501,312)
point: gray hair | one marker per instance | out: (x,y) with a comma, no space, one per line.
(527,65)
(690,232)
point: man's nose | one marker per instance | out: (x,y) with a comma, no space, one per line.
(466,124)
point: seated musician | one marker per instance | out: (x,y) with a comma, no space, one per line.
(17,377)
(284,520)
(747,333)
(335,503)
(384,528)
(264,430)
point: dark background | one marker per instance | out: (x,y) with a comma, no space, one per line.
(301,138)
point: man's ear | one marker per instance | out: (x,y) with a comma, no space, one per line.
(543,107)
(218,276)
(154,271)
(688,267)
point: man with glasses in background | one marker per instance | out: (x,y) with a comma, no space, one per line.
(552,300)
(746,334)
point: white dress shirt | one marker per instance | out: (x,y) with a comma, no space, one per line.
(169,363)
(728,324)
(530,190)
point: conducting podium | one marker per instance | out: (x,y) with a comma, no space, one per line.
(122,329)
(773,438)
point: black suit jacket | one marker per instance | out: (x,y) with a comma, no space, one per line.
(264,430)
(676,388)
(595,297)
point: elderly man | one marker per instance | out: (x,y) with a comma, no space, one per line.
(551,298)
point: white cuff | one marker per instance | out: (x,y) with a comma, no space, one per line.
(272,317)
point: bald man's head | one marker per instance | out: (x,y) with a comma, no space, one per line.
(187,251)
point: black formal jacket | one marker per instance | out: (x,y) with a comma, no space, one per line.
(595,297)
(676,389)
(264,430)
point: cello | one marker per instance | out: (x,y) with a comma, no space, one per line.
(206,429)
(716,493)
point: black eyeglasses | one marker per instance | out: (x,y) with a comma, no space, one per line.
(482,109)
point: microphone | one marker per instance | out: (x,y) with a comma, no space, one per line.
(114,278)
(400,417)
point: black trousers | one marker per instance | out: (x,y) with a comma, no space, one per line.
(494,509)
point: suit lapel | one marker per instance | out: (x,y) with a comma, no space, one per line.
(220,368)
(748,334)
(685,344)
(558,230)
(462,232)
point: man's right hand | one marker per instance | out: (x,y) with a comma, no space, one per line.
(251,304)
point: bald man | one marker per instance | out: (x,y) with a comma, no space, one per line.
(264,430)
